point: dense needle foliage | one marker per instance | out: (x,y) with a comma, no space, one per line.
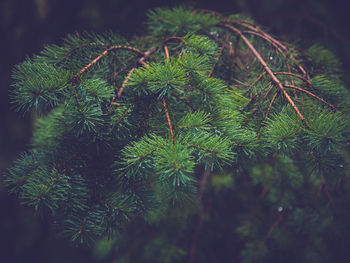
(204,140)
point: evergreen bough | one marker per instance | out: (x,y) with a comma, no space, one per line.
(207,126)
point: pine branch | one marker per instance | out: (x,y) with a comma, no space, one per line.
(267,113)
(256,81)
(267,69)
(259,91)
(169,120)
(98,168)
(332,107)
(120,91)
(217,59)
(291,78)
(264,36)
(104,53)
(277,44)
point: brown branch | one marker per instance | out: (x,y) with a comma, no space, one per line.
(258,92)
(166,51)
(217,59)
(267,93)
(120,91)
(273,42)
(104,53)
(173,38)
(267,39)
(184,101)
(213,13)
(240,82)
(169,120)
(257,31)
(85,45)
(269,232)
(312,95)
(149,52)
(295,75)
(49,185)
(266,189)
(254,28)
(267,69)
(139,61)
(256,80)
(270,105)
(123,116)
(144,64)
(300,67)
(186,127)
(114,69)
(126,67)
(267,114)
(291,78)
(204,149)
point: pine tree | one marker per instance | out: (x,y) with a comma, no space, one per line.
(206,130)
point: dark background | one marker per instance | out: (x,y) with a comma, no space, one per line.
(27,25)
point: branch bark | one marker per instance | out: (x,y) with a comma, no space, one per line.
(267,69)
(104,53)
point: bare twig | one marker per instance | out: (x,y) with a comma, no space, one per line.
(256,80)
(189,105)
(254,28)
(267,69)
(126,80)
(312,95)
(169,120)
(267,39)
(269,232)
(166,51)
(139,61)
(258,92)
(297,76)
(104,53)
(173,38)
(267,93)
(114,69)
(217,59)
(277,44)
(267,113)
(291,79)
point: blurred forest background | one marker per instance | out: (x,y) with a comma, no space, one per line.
(27,25)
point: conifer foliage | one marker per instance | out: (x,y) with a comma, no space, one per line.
(207,124)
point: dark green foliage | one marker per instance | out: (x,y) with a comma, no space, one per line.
(205,124)
(282,131)
(38,86)
(178,21)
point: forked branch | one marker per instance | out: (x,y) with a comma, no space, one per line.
(104,53)
(267,113)
(266,68)
(332,107)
